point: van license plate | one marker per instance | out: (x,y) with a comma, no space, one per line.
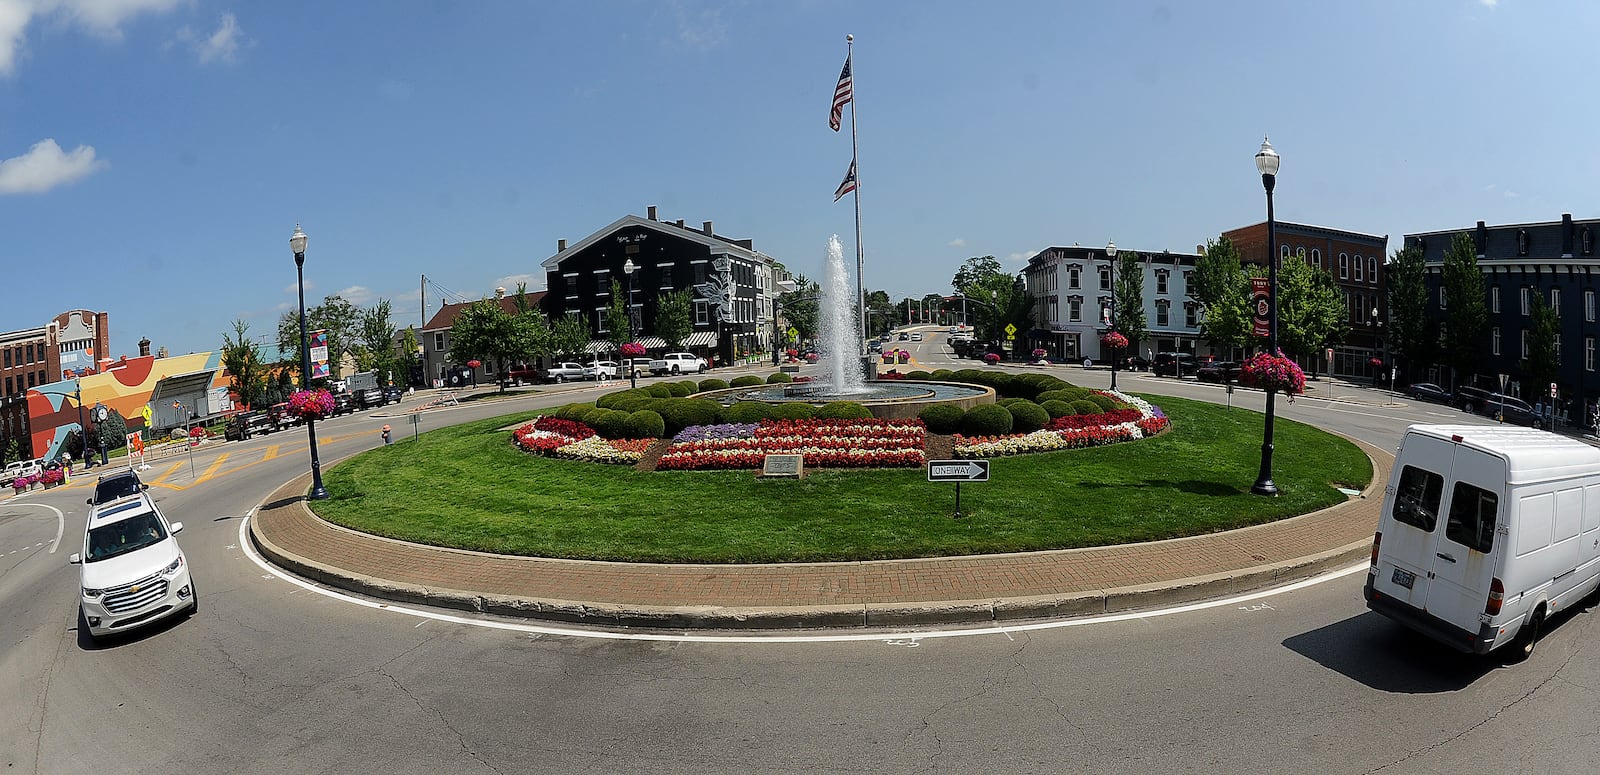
(1404,577)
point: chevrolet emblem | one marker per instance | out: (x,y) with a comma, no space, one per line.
(134,588)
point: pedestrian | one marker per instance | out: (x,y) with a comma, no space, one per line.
(386,434)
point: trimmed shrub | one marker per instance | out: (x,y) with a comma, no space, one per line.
(1085,406)
(645,424)
(919,374)
(842,410)
(747,411)
(571,411)
(1027,417)
(1057,409)
(986,420)
(659,390)
(943,374)
(677,389)
(711,384)
(793,410)
(582,414)
(1106,403)
(779,378)
(609,423)
(1069,394)
(1007,402)
(606,401)
(748,380)
(680,413)
(969,376)
(631,405)
(690,386)
(942,418)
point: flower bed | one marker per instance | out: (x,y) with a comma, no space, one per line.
(870,443)
(555,437)
(1142,419)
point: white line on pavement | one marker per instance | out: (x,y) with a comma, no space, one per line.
(250,551)
(61,524)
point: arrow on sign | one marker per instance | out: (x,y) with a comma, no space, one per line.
(958,470)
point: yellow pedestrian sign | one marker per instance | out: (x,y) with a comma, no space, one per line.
(1011,332)
(794,333)
(145,413)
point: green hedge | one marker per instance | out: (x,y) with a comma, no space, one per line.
(645,424)
(1085,406)
(748,411)
(680,413)
(1106,403)
(793,410)
(1057,409)
(1027,417)
(606,401)
(842,410)
(942,418)
(919,374)
(943,374)
(781,377)
(679,389)
(711,384)
(748,380)
(986,420)
(609,423)
(659,390)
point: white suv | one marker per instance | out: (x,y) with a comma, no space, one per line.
(133,571)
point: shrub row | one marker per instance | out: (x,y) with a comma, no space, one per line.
(1009,415)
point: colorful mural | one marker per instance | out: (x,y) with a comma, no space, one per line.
(125,386)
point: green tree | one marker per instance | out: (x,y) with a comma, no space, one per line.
(974,272)
(112,433)
(1221,286)
(1127,312)
(569,336)
(337,316)
(1411,335)
(242,359)
(672,321)
(485,331)
(800,307)
(408,355)
(1311,310)
(881,312)
(375,350)
(1466,315)
(617,321)
(1541,364)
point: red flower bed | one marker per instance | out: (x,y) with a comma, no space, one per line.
(869,443)
(891,375)
(1152,425)
(1113,417)
(570,428)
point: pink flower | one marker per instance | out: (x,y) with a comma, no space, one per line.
(1114,339)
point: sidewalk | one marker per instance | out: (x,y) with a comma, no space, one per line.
(964,590)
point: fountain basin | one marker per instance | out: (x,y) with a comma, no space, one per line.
(886,399)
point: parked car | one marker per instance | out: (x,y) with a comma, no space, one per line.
(132,571)
(21,468)
(392,394)
(1472,399)
(678,363)
(875,346)
(1427,391)
(1135,363)
(916,336)
(1218,371)
(521,375)
(1174,364)
(598,370)
(564,372)
(638,367)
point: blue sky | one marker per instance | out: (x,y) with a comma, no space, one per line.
(158,153)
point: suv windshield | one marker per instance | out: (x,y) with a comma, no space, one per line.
(114,487)
(124,536)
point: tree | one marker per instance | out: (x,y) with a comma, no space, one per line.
(1221,286)
(800,307)
(974,272)
(376,349)
(242,359)
(410,357)
(1127,313)
(1311,310)
(1466,314)
(618,324)
(1411,335)
(672,321)
(569,336)
(484,330)
(337,316)
(1541,364)
(881,312)
(112,433)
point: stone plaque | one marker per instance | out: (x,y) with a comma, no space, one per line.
(783,466)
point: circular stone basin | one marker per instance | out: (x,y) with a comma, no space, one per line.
(886,399)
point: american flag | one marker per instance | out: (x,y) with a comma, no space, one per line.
(841,95)
(849,183)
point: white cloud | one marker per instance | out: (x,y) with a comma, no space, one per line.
(1489,3)
(701,30)
(293,289)
(509,282)
(359,295)
(1021,258)
(103,18)
(44,167)
(222,45)
(958,243)
(1509,194)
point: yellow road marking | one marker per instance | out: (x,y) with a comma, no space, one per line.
(172,469)
(212,469)
(272,452)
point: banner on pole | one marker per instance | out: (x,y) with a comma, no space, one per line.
(319,354)
(1261,302)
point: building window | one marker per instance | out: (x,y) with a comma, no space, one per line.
(1316,258)
(600,320)
(1588,353)
(8,354)
(1588,306)
(1555,301)
(666,276)
(1494,298)
(1075,309)
(1161,312)
(1372,269)
(1105,278)
(8,386)
(1072,276)
(1161,282)
(1524,297)
(31,378)
(1300,253)
(30,356)
(1344,266)
(1494,340)
(700,313)
(1441,298)
(438,341)
(1558,349)
(1358,277)
(1191,315)
(1524,343)
(1188,280)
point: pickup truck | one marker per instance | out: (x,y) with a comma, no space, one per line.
(20,468)
(677,363)
(563,372)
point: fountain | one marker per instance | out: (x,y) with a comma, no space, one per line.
(841,332)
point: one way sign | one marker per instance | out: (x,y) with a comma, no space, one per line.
(958,470)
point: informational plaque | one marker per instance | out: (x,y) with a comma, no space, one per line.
(782,466)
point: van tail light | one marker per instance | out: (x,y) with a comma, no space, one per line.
(1497,597)
(1377,539)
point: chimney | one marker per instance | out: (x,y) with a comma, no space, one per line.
(1566,235)
(706,228)
(1482,239)
(499,293)
(1199,250)
(680,223)
(144,347)
(652,212)
(561,245)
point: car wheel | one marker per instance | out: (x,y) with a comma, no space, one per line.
(1528,638)
(702,370)
(561,378)
(674,369)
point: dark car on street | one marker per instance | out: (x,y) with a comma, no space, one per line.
(1427,391)
(1174,364)
(1218,371)
(116,485)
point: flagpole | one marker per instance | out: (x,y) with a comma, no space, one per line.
(861,293)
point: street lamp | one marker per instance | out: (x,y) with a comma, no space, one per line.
(297,243)
(1267,165)
(1111,314)
(628,268)
(83,430)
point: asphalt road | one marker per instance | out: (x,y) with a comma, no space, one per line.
(269,677)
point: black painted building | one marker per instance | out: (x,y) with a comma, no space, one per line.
(731,283)
(1555,260)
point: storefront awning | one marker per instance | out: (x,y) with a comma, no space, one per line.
(701,339)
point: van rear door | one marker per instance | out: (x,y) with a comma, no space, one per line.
(1411,515)
(1463,551)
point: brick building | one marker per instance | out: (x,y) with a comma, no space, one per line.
(73,343)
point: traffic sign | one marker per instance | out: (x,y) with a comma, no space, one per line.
(958,470)
(1552,390)
(1011,330)
(794,333)
(145,413)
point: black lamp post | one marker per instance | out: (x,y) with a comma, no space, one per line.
(1267,165)
(297,243)
(1111,319)
(83,430)
(633,374)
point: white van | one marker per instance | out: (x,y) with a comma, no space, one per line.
(1486,531)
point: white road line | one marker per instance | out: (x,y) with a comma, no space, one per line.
(886,636)
(61,525)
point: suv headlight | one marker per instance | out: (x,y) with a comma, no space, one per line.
(173,568)
(92,593)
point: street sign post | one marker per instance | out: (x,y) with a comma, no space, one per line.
(958,471)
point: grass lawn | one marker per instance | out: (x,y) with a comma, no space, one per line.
(468,486)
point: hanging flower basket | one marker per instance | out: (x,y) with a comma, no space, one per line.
(991,358)
(474,363)
(1274,372)
(633,349)
(311,404)
(1376,363)
(1114,339)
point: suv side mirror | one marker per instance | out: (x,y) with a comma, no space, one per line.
(144,486)
(74,559)
(177,527)
(89,501)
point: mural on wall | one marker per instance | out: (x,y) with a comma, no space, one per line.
(125,386)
